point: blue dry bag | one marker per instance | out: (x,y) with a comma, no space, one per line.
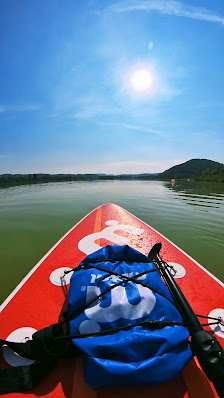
(115,301)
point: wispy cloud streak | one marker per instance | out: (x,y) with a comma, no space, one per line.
(92,106)
(19,108)
(174,8)
(133,127)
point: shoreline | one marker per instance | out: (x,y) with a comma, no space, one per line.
(11,182)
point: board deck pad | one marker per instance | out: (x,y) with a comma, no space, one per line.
(40,299)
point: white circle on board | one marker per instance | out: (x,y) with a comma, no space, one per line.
(219,328)
(59,278)
(177,270)
(20,335)
(89,326)
(111,222)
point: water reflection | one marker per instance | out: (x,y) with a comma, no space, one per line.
(34,217)
(201,194)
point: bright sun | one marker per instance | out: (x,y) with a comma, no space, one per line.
(141,80)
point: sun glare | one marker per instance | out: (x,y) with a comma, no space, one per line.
(141,80)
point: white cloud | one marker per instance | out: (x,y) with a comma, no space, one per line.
(174,8)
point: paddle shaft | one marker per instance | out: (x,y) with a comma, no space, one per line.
(184,307)
(204,345)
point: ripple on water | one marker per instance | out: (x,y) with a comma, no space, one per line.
(34,217)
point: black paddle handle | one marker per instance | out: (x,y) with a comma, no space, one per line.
(204,345)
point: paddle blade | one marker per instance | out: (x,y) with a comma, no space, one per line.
(155,251)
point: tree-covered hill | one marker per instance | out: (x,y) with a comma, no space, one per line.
(212,175)
(190,169)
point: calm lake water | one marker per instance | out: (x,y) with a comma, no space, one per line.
(34,217)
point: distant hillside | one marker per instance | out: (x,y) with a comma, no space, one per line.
(198,169)
(190,169)
(212,175)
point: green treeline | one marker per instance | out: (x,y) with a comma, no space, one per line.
(194,169)
(13,180)
(212,175)
(23,179)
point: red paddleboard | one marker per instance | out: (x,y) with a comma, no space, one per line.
(40,299)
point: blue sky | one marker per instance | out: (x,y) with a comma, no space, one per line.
(68,98)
